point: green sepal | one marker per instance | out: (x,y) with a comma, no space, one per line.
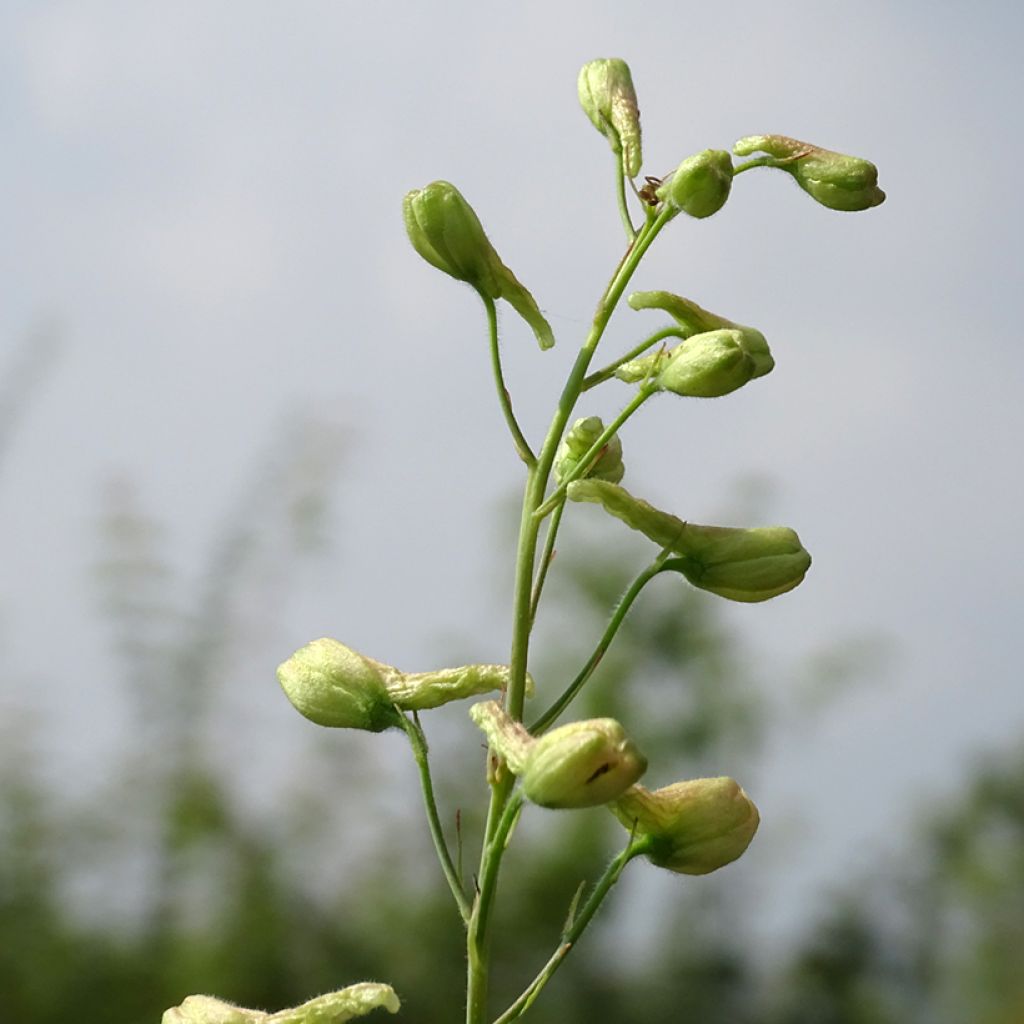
(694,827)
(608,98)
(746,565)
(446,232)
(578,441)
(837,181)
(700,185)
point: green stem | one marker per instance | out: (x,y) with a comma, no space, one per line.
(621,609)
(546,558)
(581,467)
(620,195)
(522,446)
(759,161)
(599,376)
(418,742)
(572,933)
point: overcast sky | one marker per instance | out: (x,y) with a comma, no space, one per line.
(205,200)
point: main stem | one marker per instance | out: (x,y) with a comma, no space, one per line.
(477,937)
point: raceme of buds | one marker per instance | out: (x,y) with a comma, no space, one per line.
(582,764)
(700,185)
(745,565)
(704,366)
(332,1008)
(335,686)
(578,441)
(840,182)
(609,100)
(695,826)
(447,233)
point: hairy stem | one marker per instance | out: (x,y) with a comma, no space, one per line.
(522,446)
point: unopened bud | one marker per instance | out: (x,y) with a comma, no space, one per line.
(739,564)
(332,685)
(700,185)
(609,100)
(332,1008)
(838,181)
(578,441)
(695,826)
(446,232)
(704,366)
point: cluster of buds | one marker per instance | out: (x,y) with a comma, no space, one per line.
(335,686)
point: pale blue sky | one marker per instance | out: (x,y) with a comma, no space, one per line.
(206,198)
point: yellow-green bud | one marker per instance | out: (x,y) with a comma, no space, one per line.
(838,181)
(419,691)
(583,764)
(447,233)
(695,826)
(332,685)
(739,564)
(700,185)
(332,1008)
(578,441)
(609,100)
(704,366)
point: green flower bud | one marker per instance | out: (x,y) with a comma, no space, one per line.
(739,564)
(696,826)
(704,366)
(840,182)
(446,232)
(583,764)
(700,185)
(609,100)
(332,1008)
(332,685)
(578,441)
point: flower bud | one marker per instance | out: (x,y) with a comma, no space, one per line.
(446,232)
(835,180)
(609,100)
(332,1008)
(700,185)
(704,366)
(578,441)
(332,685)
(583,764)
(695,826)
(739,564)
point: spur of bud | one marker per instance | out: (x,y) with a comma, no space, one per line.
(335,686)
(446,232)
(582,764)
(700,185)
(609,100)
(578,441)
(704,366)
(838,181)
(332,1008)
(746,565)
(692,827)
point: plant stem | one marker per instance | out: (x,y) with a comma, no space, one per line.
(418,742)
(599,376)
(573,932)
(546,558)
(625,602)
(522,446)
(620,195)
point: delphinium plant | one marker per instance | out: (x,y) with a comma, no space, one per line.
(690,827)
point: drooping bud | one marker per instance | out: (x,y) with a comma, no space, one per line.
(838,181)
(447,233)
(704,366)
(700,185)
(332,1008)
(745,565)
(695,826)
(583,764)
(578,441)
(609,100)
(334,686)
